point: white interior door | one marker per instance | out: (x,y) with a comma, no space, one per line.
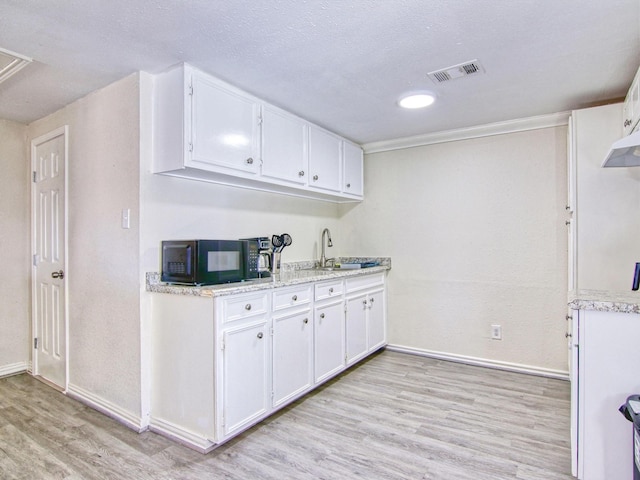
(49,162)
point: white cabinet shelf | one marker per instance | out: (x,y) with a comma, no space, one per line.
(205,129)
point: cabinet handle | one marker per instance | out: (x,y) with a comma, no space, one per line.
(315,178)
(294,298)
(567,335)
(247,306)
(371,299)
(364,302)
(249,161)
(348,185)
(567,222)
(306,320)
(330,290)
(260,335)
(301,173)
(322,315)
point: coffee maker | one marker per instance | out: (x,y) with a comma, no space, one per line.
(264,255)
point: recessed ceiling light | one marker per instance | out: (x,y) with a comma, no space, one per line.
(417,100)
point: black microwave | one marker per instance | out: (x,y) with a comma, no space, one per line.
(208,262)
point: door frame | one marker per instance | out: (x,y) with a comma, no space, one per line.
(64,131)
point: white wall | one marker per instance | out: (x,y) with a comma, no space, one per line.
(476,232)
(103,276)
(15,298)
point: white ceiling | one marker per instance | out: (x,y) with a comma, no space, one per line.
(339,63)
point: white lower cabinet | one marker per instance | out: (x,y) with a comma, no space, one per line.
(292,355)
(245,375)
(365,316)
(356,328)
(221,365)
(329,358)
(604,374)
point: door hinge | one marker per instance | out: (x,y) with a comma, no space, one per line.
(222,344)
(35,343)
(260,120)
(190,89)
(35,175)
(190,146)
(36,259)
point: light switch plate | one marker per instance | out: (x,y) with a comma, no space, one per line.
(126,218)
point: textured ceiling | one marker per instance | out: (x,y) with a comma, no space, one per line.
(339,63)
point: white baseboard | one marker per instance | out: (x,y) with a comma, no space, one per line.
(109,409)
(180,435)
(482,362)
(13,369)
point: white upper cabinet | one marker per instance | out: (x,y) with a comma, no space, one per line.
(206,129)
(631,112)
(324,159)
(224,126)
(284,146)
(353,167)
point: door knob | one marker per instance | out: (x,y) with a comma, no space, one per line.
(59,274)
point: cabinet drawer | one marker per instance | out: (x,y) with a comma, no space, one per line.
(236,308)
(291,297)
(328,290)
(365,281)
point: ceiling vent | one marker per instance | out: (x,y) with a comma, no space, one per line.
(465,69)
(11,63)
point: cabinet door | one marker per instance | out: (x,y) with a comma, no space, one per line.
(284,151)
(224,127)
(328,340)
(353,169)
(376,331)
(292,350)
(356,328)
(324,160)
(245,375)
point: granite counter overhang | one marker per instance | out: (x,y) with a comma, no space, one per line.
(291,274)
(603,301)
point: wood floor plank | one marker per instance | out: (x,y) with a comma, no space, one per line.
(394,416)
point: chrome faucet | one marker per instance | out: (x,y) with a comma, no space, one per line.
(323,258)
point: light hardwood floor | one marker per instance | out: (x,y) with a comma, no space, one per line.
(395,416)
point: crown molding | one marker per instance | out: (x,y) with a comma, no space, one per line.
(490,129)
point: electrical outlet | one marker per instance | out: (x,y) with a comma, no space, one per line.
(496,332)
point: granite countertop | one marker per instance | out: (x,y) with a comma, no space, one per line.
(291,274)
(602,301)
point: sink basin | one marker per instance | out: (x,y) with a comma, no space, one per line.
(322,269)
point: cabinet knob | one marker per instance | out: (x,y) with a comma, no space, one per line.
(247,306)
(301,173)
(331,290)
(567,335)
(364,302)
(348,185)
(627,122)
(568,222)
(322,315)
(315,178)
(306,320)
(294,298)
(568,207)
(260,335)
(371,299)
(249,161)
